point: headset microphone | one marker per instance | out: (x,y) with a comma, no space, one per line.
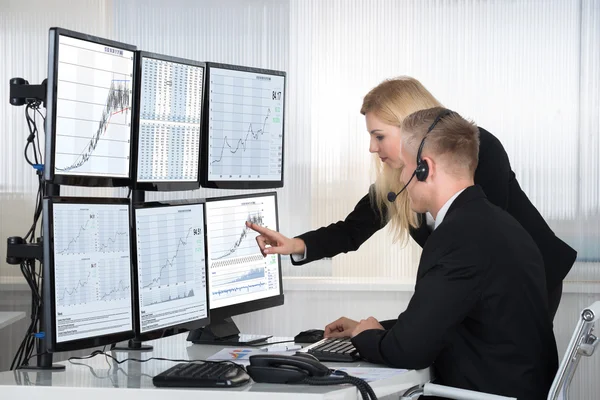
(392,196)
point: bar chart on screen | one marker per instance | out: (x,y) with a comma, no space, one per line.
(236,265)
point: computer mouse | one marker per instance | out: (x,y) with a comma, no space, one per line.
(309,336)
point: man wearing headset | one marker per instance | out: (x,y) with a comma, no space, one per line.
(479,313)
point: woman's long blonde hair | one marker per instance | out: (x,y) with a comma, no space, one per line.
(391,101)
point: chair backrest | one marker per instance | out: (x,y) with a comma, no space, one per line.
(582,343)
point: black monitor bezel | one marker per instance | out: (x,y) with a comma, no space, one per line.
(229,184)
(221,313)
(49,300)
(178,328)
(51,101)
(163,185)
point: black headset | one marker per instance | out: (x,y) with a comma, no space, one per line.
(422,170)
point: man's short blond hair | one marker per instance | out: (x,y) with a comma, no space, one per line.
(454,139)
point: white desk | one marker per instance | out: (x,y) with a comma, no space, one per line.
(7,318)
(132,380)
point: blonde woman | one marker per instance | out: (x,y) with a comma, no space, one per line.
(384,108)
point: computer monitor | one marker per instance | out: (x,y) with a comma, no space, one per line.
(168,119)
(244,128)
(171,290)
(89,117)
(240,279)
(87,285)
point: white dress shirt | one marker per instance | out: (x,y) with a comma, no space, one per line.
(442,213)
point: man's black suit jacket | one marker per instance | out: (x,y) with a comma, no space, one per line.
(479,313)
(500,185)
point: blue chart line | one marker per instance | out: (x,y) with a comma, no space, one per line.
(169,263)
(254,273)
(255,219)
(117,102)
(242,142)
(247,288)
(74,290)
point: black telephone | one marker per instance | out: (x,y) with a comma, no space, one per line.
(274,368)
(302,368)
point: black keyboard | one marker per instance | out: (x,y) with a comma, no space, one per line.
(336,350)
(202,375)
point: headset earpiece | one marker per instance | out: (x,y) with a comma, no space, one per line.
(422,171)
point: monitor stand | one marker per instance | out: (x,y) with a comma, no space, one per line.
(224,332)
(44,363)
(132,345)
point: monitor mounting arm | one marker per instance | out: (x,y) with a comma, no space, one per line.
(17,250)
(21,92)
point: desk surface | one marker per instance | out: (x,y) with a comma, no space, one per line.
(88,377)
(7,317)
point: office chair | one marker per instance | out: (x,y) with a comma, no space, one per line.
(582,343)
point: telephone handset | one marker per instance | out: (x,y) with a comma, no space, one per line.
(302,368)
(274,368)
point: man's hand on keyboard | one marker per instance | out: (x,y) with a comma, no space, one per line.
(339,328)
(366,324)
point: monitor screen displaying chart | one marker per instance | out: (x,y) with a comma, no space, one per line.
(171,267)
(91,270)
(238,272)
(92,109)
(245,126)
